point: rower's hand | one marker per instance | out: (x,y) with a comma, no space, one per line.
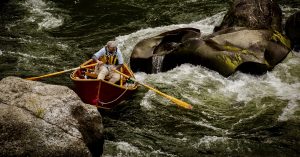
(99,62)
(113,68)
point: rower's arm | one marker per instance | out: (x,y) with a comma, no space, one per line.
(98,54)
(119,66)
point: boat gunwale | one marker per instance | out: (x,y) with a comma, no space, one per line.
(72,76)
(99,80)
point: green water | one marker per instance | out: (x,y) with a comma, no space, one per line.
(242,115)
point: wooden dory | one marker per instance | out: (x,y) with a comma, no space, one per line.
(102,93)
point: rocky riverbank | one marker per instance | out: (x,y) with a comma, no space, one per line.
(39,119)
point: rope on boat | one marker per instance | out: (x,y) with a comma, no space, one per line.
(104,103)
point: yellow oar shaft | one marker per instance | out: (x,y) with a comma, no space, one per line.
(175,100)
(48,75)
(60,72)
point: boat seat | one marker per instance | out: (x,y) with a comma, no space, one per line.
(92,75)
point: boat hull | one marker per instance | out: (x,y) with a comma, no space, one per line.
(102,93)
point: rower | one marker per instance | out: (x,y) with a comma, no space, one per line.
(110,59)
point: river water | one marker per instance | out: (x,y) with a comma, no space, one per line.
(242,115)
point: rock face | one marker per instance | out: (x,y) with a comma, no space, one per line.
(249,39)
(257,14)
(147,52)
(37,119)
(292,30)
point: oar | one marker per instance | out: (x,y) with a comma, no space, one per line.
(175,100)
(60,72)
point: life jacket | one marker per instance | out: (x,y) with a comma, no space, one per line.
(110,58)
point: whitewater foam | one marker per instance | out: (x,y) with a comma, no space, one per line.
(146,103)
(64,47)
(29,56)
(40,13)
(284,90)
(257,114)
(208,141)
(288,11)
(161,153)
(289,111)
(128,148)
(246,87)
(243,88)
(207,125)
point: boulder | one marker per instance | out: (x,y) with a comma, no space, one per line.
(229,52)
(256,14)
(292,30)
(226,51)
(249,39)
(145,52)
(38,119)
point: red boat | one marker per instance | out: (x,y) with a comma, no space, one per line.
(102,93)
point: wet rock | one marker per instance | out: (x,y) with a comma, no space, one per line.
(292,30)
(144,53)
(248,50)
(249,39)
(257,14)
(38,119)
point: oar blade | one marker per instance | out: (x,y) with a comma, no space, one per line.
(181,103)
(175,100)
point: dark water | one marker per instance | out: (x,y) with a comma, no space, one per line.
(242,115)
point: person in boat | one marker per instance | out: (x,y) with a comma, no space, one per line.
(111,59)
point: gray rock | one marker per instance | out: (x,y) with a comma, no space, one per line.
(236,48)
(38,119)
(145,51)
(249,39)
(257,14)
(292,30)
